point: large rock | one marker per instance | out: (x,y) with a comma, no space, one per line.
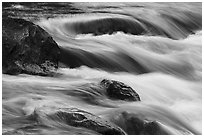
(27,48)
(118,90)
(76,118)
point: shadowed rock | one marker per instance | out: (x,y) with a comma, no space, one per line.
(27,48)
(133,124)
(77,118)
(118,90)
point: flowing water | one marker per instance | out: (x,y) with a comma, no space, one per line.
(155,48)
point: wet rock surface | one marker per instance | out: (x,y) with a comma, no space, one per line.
(119,90)
(27,48)
(136,125)
(76,118)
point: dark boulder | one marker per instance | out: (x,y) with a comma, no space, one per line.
(134,124)
(76,118)
(27,48)
(118,90)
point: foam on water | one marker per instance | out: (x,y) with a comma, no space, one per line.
(163,68)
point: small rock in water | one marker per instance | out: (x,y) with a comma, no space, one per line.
(77,118)
(118,90)
(27,48)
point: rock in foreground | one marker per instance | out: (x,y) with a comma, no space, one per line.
(135,125)
(118,90)
(77,118)
(27,48)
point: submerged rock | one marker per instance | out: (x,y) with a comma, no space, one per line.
(27,48)
(118,90)
(133,124)
(77,118)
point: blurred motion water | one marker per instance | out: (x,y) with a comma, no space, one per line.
(155,48)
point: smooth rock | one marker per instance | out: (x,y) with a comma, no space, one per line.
(134,124)
(77,118)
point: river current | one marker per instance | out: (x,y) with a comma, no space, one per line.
(155,48)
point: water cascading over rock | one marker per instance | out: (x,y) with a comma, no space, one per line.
(133,124)
(76,118)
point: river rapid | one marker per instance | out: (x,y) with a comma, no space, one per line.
(155,48)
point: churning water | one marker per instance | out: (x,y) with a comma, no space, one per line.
(155,48)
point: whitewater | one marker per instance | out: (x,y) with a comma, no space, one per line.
(155,48)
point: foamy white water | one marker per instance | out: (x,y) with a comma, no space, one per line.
(159,58)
